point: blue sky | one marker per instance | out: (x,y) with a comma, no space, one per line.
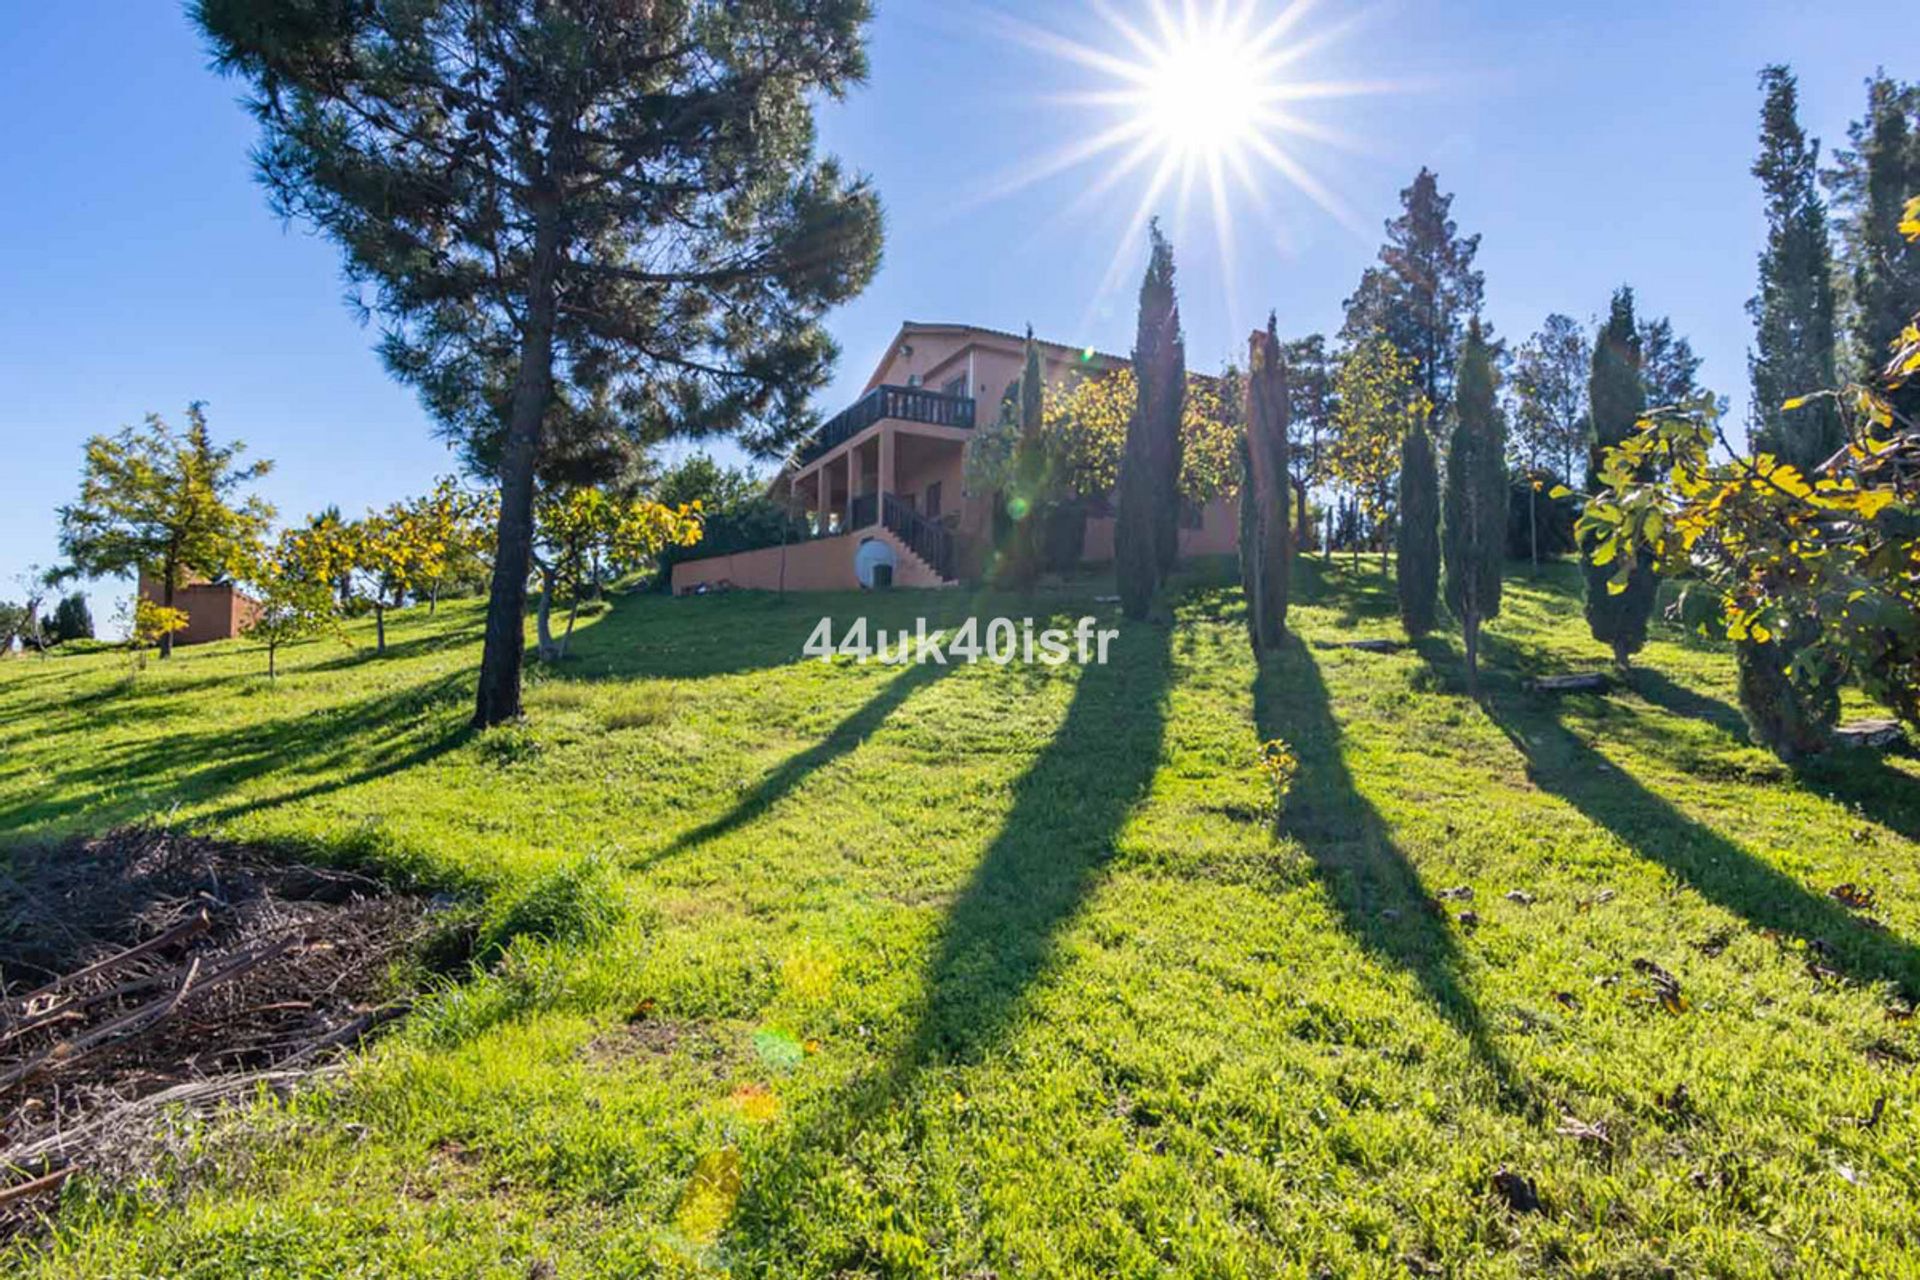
(1590,145)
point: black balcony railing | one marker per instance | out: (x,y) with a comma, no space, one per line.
(911,404)
(928,539)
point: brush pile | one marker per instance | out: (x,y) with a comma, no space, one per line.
(145,971)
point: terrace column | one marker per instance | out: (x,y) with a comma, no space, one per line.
(853,482)
(886,461)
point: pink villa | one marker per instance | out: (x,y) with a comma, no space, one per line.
(881,482)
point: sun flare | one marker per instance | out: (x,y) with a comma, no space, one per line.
(1195,103)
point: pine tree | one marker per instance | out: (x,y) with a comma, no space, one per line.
(1870,184)
(612,213)
(1473,514)
(1434,285)
(1309,422)
(1266,453)
(1418,545)
(1616,400)
(1793,313)
(1668,368)
(1146,527)
(1549,391)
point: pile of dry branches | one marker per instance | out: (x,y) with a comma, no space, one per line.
(145,971)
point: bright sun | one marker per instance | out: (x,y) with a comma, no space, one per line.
(1198,102)
(1204,96)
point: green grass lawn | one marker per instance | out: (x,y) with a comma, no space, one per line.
(980,971)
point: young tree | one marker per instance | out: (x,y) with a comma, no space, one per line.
(454,526)
(290,603)
(1869,183)
(164,502)
(1265,499)
(586,532)
(1147,525)
(1620,595)
(1549,390)
(1378,401)
(1793,313)
(567,205)
(1474,509)
(1418,545)
(1310,421)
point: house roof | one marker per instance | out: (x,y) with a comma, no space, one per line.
(913,327)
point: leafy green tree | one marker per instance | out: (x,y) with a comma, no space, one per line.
(588,532)
(1668,367)
(1418,544)
(1620,593)
(164,502)
(1420,296)
(1870,182)
(72,620)
(1473,512)
(1264,500)
(1793,313)
(289,603)
(570,213)
(1147,524)
(1378,400)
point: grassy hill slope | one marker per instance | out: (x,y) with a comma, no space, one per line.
(972,971)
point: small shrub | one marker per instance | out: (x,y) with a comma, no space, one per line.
(507,744)
(1279,766)
(574,904)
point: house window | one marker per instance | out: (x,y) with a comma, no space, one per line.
(932,501)
(954,386)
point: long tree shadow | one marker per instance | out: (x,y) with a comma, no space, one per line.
(1068,808)
(999,936)
(797,768)
(1383,903)
(1860,778)
(1560,761)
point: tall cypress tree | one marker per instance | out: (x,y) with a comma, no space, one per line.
(1616,399)
(1418,543)
(1870,184)
(1266,454)
(1793,313)
(1147,528)
(1473,513)
(1027,493)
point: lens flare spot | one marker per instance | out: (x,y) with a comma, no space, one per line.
(710,1196)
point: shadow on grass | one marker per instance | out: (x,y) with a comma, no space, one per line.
(1861,778)
(355,743)
(1560,761)
(1000,935)
(795,769)
(1383,904)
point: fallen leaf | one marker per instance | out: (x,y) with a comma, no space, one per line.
(1581,1131)
(1520,896)
(1858,897)
(1469,920)
(1517,1192)
(1459,893)
(1568,999)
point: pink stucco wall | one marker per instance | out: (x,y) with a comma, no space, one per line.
(1218,534)
(823,564)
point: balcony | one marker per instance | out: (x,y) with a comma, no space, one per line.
(909,404)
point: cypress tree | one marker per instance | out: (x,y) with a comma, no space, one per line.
(1473,515)
(1026,496)
(1418,543)
(1790,707)
(1147,524)
(1616,400)
(1871,184)
(1266,452)
(1793,312)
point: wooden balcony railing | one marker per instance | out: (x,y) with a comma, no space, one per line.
(911,404)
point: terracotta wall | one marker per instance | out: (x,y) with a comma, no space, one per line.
(822,564)
(1218,534)
(215,611)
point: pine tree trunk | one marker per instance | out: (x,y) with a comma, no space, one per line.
(497,699)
